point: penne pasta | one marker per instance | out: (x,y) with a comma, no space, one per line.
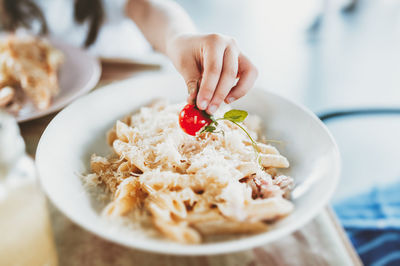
(268,209)
(179,232)
(273,160)
(267,149)
(191,187)
(126,198)
(205,216)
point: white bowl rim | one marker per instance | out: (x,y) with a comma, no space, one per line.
(209,248)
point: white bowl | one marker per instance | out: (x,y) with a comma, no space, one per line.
(79,130)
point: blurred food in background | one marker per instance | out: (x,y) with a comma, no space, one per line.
(28,71)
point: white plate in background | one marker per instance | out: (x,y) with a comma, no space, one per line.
(79,73)
(79,130)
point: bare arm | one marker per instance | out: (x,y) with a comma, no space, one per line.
(159,21)
(209,63)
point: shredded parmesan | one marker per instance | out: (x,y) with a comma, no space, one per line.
(178,180)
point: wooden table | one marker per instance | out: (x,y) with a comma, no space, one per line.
(321,242)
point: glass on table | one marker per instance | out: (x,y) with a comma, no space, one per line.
(25,230)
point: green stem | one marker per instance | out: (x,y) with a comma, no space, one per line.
(254,144)
(274,141)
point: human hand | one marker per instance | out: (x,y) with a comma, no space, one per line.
(211,65)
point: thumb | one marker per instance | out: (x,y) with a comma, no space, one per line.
(192,77)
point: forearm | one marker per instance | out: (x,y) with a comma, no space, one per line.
(159,20)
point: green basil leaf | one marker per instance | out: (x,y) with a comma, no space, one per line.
(236,115)
(209,128)
(214,120)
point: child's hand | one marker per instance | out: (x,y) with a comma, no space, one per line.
(211,63)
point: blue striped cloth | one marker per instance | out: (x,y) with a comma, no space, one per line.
(372,221)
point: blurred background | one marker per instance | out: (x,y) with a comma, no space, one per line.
(324,53)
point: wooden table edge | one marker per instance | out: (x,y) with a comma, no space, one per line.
(343,237)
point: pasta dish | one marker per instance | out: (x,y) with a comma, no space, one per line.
(28,67)
(190,187)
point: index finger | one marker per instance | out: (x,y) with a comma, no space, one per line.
(213,58)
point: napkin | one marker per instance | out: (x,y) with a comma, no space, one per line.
(372,221)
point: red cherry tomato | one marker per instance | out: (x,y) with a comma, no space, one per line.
(192,120)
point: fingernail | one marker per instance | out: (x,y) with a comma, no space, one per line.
(203,105)
(212,109)
(230,99)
